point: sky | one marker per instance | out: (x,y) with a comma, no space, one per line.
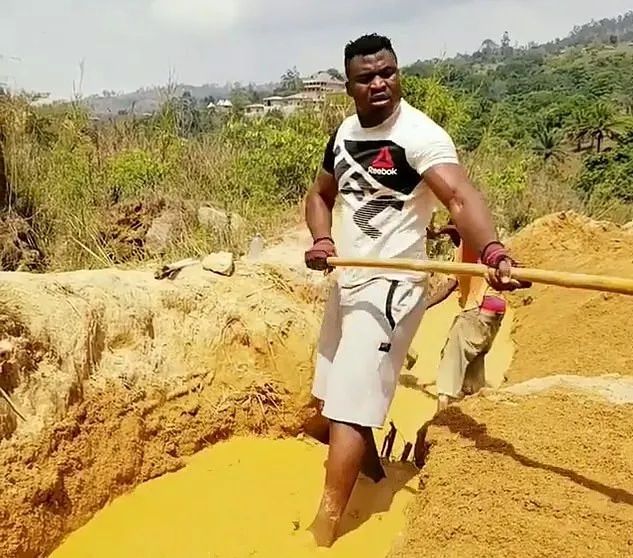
(126,44)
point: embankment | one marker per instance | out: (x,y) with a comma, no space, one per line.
(120,375)
(571,331)
(543,467)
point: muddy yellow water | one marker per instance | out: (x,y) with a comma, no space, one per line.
(255,497)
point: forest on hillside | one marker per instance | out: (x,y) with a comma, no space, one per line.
(567,100)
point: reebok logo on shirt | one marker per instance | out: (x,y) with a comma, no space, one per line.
(383,164)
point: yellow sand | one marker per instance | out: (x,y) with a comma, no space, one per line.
(255,497)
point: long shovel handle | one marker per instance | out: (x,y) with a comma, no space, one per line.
(606,283)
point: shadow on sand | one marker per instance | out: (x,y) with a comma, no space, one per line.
(460,423)
(370,498)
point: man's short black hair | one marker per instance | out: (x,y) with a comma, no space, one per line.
(367,44)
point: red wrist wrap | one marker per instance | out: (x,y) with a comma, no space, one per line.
(493,253)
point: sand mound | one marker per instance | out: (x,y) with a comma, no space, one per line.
(119,375)
(561,487)
(569,331)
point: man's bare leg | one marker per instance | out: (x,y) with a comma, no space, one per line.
(348,446)
(319,428)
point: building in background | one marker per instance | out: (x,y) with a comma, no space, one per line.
(314,92)
(322,83)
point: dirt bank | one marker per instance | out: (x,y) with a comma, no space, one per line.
(547,474)
(570,331)
(543,467)
(120,375)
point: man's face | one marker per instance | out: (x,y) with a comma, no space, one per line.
(374,83)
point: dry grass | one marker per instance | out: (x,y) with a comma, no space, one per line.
(74,181)
(71,179)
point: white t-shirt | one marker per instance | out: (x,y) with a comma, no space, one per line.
(386,206)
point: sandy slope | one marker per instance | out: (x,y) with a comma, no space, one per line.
(120,376)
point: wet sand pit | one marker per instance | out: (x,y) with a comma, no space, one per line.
(121,377)
(244,497)
(255,497)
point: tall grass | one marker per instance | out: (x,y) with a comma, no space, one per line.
(91,189)
(72,177)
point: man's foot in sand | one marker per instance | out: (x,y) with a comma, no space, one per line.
(323,530)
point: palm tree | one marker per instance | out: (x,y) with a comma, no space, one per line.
(579,127)
(605,122)
(547,142)
(626,102)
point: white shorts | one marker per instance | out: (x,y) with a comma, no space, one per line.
(365,335)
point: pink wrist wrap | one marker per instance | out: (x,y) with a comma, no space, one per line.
(493,304)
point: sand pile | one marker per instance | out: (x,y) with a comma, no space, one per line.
(547,474)
(119,375)
(543,467)
(570,331)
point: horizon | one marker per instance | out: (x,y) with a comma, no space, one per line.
(204,42)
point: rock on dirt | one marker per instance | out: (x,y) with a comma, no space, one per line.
(219,262)
(220,221)
(125,225)
(19,250)
(161,232)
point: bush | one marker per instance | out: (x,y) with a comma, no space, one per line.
(133,173)
(275,159)
(449,109)
(609,175)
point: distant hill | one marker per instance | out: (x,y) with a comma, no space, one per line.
(608,31)
(614,31)
(149,99)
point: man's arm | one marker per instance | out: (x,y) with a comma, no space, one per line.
(450,183)
(319,204)
(436,160)
(442,293)
(318,212)
(466,205)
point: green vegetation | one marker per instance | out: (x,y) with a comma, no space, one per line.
(540,129)
(91,190)
(563,109)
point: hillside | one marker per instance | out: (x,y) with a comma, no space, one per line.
(608,31)
(150,99)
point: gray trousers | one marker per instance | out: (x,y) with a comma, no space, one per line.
(462,364)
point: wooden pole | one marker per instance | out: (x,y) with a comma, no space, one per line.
(621,285)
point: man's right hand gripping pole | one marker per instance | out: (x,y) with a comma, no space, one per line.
(316,257)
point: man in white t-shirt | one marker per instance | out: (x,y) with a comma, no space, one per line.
(390,164)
